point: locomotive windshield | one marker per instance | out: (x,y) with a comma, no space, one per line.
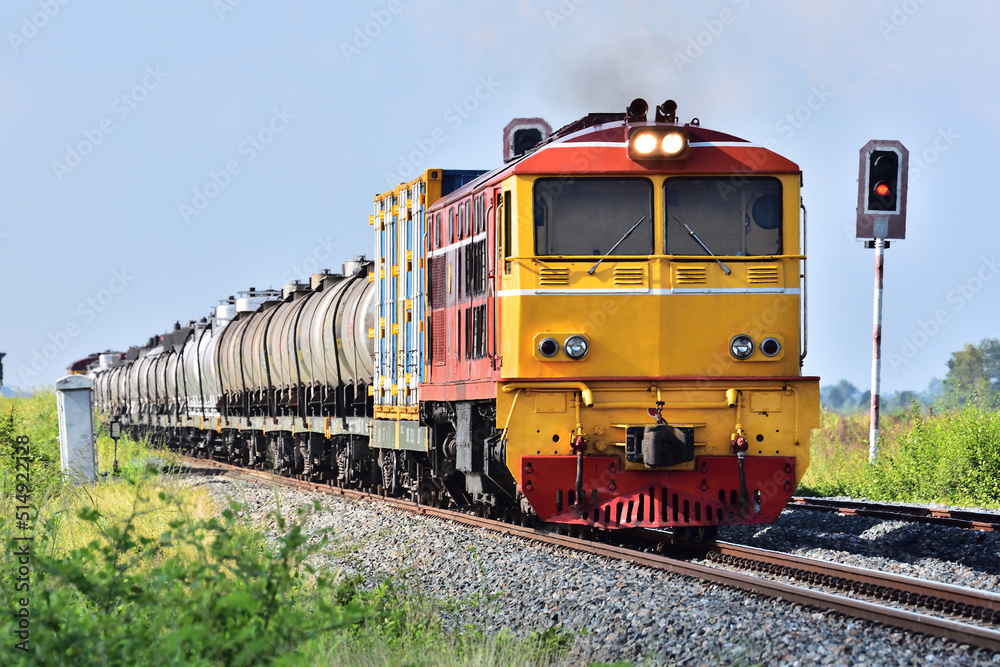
(588,216)
(730,216)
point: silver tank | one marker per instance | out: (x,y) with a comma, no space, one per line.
(256,370)
(208,361)
(348,351)
(134,373)
(316,337)
(241,364)
(321,339)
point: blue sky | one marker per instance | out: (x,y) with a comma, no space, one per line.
(159,156)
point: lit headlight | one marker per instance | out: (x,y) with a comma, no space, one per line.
(576,347)
(657,143)
(741,346)
(644,143)
(673,143)
(548,347)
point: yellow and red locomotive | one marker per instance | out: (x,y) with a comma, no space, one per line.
(607,330)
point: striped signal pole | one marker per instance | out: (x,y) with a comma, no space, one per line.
(876,348)
(882,181)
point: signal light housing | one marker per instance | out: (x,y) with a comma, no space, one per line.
(657,143)
(883,180)
(882,177)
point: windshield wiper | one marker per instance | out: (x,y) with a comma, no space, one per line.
(631,229)
(702,244)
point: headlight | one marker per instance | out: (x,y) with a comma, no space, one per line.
(770,347)
(548,347)
(657,143)
(673,143)
(741,346)
(576,347)
(644,143)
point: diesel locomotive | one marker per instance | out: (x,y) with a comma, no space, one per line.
(606,330)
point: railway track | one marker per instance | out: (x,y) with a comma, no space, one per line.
(984,521)
(979,610)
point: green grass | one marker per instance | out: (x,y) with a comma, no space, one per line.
(36,419)
(951,456)
(138,570)
(55,503)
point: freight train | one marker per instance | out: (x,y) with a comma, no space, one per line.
(606,330)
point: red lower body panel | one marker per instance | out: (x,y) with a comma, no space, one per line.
(709,495)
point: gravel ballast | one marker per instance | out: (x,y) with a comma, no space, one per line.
(957,556)
(618,611)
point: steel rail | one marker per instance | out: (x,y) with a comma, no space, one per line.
(984,521)
(882,584)
(925,624)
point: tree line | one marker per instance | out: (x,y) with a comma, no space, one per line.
(973,378)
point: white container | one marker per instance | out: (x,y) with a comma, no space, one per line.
(224,313)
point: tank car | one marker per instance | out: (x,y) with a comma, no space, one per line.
(606,330)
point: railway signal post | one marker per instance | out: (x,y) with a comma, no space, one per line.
(882,180)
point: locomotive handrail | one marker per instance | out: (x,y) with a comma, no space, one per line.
(731,258)
(585,393)
(805,291)
(643,258)
(702,405)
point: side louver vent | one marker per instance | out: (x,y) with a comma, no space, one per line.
(553,276)
(763,274)
(630,275)
(689,274)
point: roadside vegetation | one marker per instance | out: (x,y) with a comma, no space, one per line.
(139,570)
(945,455)
(937,446)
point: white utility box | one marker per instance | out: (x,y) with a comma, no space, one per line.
(76,428)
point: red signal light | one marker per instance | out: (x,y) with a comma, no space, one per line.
(882,189)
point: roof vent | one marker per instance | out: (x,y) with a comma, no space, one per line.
(523,134)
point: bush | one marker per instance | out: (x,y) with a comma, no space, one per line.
(952,457)
(223,597)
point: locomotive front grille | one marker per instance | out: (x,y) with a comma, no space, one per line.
(656,508)
(615,498)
